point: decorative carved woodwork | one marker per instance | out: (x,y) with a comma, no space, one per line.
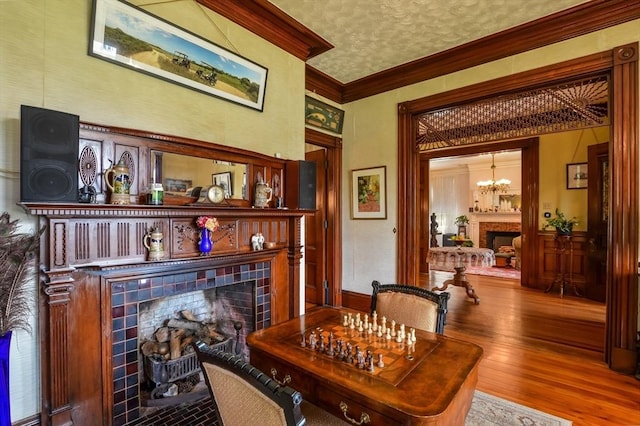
(87,247)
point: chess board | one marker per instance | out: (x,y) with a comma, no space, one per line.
(399,360)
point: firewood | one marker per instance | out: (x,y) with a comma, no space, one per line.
(162,334)
(186,341)
(183,323)
(149,347)
(188,315)
(174,343)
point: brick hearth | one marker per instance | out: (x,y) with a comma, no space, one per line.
(496,227)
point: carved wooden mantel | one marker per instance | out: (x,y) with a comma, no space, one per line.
(85,242)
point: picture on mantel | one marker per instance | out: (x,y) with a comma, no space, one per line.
(510,202)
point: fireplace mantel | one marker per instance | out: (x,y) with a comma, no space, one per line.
(86,246)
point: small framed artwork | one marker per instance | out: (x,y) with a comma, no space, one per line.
(577,176)
(322,115)
(224,180)
(177,185)
(369,193)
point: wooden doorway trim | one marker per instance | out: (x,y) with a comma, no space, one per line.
(333,145)
(622,281)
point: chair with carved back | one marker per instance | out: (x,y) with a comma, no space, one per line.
(410,305)
(244,395)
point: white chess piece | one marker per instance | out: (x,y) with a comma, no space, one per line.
(393,328)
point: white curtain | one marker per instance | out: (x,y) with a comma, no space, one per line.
(448,199)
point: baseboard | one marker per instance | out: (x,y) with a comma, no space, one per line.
(357,301)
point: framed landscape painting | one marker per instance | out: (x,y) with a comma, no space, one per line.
(369,193)
(133,38)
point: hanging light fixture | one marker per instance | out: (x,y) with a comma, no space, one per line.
(493,185)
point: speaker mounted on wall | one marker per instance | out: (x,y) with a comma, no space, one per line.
(49,142)
(301,184)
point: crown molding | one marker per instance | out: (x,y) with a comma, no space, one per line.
(272,24)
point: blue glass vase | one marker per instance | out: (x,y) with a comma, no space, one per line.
(205,245)
(5,407)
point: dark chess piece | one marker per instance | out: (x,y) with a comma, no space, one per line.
(330,350)
(349,355)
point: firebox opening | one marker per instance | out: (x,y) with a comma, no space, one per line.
(497,239)
(222,317)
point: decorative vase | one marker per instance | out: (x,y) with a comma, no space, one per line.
(5,408)
(205,244)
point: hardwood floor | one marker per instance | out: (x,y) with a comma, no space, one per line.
(541,350)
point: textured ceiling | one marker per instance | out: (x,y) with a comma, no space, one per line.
(374,35)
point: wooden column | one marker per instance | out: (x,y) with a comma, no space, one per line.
(622,294)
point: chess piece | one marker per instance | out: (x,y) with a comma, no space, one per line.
(345,321)
(413,335)
(384,325)
(380,361)
(393,328)
(374,320)
(312,340)
(322,347)
(359,358)
(330,350)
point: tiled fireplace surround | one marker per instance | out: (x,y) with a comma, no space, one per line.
(126,298)
(95,276)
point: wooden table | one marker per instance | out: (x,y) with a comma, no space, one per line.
(434,385)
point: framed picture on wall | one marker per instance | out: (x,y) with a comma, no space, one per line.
(131,37)
(577,176)
(369,193)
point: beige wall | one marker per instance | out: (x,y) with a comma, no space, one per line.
(44,63)
(370,135)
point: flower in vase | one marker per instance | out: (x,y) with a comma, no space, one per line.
(208,222)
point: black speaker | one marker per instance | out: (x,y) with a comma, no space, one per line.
(48,155)
(301,184)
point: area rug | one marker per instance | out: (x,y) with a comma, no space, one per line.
(510,273)
(488,410)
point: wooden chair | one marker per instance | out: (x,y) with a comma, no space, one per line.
(410,305)
(245,395)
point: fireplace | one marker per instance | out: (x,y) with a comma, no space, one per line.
(496,239)
(497,228)
(241,292)
(96,279)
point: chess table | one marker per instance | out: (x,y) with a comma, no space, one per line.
(429,382)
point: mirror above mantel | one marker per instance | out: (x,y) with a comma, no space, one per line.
(185,174)
(181,164)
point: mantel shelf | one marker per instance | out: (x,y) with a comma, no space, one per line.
(143,210)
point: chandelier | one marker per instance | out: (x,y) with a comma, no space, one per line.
(493,185)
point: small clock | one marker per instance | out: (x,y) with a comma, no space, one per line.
(212,194)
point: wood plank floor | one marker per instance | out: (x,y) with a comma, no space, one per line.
(541,350)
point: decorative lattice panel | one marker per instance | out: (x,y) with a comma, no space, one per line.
(563,107)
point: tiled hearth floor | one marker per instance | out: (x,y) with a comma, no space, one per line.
(199,413)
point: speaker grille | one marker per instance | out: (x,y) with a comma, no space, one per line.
(51,180)
(48,155)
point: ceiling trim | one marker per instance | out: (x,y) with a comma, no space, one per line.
(269,22)
(272,24)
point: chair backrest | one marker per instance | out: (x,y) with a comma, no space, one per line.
(245,395)
(410,305)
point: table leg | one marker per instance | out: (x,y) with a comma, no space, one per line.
(460,280)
